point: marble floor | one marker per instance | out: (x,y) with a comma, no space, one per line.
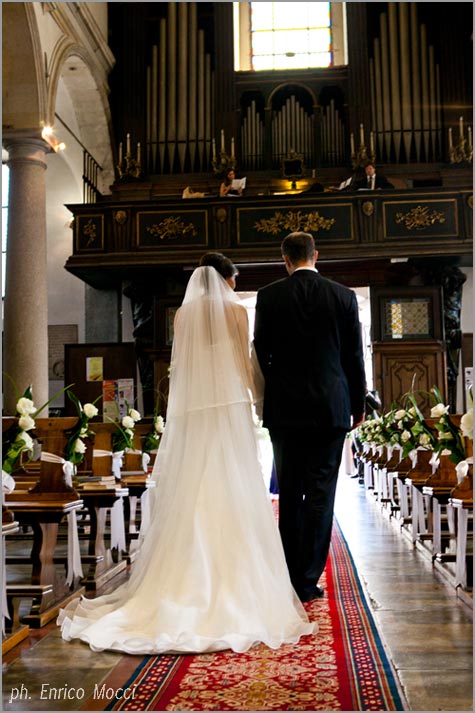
(425,627)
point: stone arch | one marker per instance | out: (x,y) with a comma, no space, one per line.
(300,85)
(24,102)
(73,73)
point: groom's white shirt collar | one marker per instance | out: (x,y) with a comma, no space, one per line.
(313,269)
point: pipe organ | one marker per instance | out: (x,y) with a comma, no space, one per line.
(405,89)
(405,86)
(179,96)
(292,131)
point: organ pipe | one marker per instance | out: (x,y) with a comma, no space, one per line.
(162,92)
(405,79)
(172,83)
(182,72)
(416,84)
(432,102)
(385,84)
(425,91)
(394,73)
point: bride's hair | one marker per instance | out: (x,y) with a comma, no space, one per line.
(222,264)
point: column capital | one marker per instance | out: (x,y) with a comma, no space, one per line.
(25,146)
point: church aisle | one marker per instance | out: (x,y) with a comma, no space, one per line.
(427,631)
(426,628)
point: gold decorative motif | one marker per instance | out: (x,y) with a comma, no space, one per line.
(171,228)
(221,215)
(294,221)
(89,230)
(420,218)
(368,208)
(470,201)
(120,217)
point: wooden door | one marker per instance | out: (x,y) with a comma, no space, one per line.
(407,341)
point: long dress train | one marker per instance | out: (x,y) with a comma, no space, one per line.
(211,572)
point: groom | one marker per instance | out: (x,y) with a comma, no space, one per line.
(308,342)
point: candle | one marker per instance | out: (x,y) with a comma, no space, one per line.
(371,142)
(361,135)
(222,140)
(450,140)
(469,131)
(232,147)
(120,152)
(352,144)
(138,153)
(128,145)
(214,149)
(461,127)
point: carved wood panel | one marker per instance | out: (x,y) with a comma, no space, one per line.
(403,366)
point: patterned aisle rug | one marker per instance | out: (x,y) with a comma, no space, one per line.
(343,667)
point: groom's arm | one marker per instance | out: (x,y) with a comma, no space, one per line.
(261,334)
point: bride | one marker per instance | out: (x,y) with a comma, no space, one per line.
(211,572)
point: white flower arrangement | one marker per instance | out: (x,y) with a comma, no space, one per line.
(16,441)
(122,437)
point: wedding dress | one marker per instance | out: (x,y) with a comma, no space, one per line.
(211,572)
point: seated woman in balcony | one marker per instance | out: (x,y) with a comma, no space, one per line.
(227,187)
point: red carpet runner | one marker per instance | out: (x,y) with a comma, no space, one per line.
(342,668)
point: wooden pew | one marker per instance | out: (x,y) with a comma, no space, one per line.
(138,482)
(99,498)
(43,506)
(13,630)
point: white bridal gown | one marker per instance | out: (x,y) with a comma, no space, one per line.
(211,572)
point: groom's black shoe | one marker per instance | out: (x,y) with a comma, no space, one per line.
(316,593)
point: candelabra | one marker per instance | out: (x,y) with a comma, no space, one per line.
(462,151)
(128,167)
(361,157)
(223,163)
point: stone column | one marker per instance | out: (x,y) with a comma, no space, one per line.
(26,295)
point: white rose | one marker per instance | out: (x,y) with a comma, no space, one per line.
(83,432)
(412,412)
(159,424)
(129,432)
(27,440)
(424,439)
(26,423)
(399,414)
(134,414)
(79,446)
(444,436)
(438,410)
(405,436)
(90,410)
(466,424)
(128,422)
(25,406)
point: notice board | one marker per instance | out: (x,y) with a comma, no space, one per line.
(88,366)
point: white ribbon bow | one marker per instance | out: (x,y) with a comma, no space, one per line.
(413,456)
(434,462)
(117,510)
(74,552)
(8,483)
(145,462)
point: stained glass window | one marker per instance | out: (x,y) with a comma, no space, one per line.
(290,36)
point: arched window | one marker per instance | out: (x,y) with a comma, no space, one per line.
(276,35)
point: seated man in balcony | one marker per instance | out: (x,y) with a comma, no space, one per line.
(372,181)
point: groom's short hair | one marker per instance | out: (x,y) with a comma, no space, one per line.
(299,247)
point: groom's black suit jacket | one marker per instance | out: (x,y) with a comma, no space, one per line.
(308,341)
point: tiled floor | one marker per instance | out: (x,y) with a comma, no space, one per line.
(427,630)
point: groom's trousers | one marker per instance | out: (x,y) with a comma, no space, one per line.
(307,463)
